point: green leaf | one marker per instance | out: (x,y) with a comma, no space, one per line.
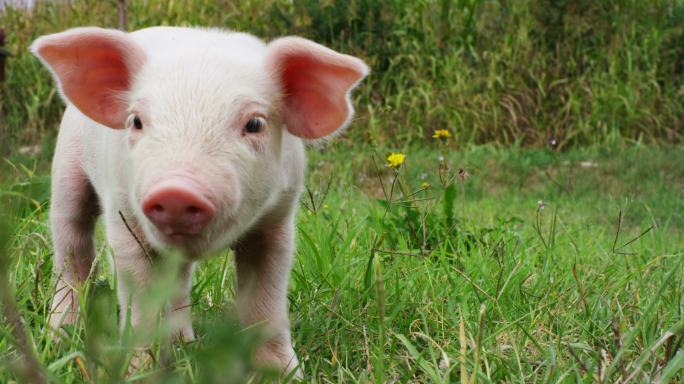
(448,205)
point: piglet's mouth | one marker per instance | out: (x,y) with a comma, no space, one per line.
(180,236)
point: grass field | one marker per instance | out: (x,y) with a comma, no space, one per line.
(490,256)
(420,283)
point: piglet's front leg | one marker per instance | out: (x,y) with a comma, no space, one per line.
(137,267)
(264,259)
(135,263)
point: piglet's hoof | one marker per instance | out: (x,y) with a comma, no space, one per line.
(275,356)
(141,361)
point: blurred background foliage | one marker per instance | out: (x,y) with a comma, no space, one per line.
(505,72)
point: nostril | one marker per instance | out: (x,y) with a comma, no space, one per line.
(157,208)
(193,210)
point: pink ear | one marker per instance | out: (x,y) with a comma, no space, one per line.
(94,68)
(316,84)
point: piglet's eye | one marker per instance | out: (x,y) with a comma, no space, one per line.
(137,123)
(255,125)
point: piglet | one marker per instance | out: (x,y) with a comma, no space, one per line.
(188,140)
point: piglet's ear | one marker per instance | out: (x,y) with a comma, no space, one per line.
(316,83)
(94,69)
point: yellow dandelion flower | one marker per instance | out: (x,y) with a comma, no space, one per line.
(394,160)
(425,185)
(441,134)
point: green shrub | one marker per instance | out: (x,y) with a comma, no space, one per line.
(503,72)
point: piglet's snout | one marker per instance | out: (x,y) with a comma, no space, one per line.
(178,207)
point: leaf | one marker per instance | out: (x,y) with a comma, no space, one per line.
(448,205)
(673,367)
(59,363)
(422,363)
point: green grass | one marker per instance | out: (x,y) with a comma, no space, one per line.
(464,281)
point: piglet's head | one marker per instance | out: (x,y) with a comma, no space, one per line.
(205,123)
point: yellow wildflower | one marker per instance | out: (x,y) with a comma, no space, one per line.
(441,134)
(325,206)
(425,185)
(394,160)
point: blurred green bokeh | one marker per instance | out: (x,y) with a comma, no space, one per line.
(504,72)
